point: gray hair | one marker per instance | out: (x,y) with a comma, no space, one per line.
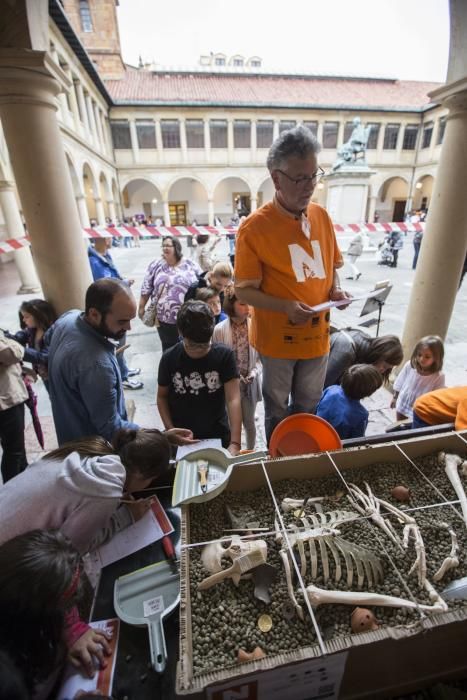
(298,142)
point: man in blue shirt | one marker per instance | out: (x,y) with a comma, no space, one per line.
(102,265)
(86,389)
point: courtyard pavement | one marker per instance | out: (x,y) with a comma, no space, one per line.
(145,350)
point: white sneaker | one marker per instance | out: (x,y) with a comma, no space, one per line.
(132,384)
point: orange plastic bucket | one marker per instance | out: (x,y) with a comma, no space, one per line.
(303,433)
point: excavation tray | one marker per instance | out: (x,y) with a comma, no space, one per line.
(381,663)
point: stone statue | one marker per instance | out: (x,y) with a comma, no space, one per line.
(353,151)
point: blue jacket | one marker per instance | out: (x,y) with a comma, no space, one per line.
(347,416)
(84,380)
(102,265)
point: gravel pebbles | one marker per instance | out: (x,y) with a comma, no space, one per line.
(224,618)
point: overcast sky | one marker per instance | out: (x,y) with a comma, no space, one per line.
(407,39)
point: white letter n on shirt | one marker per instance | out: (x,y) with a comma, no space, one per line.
(305,266)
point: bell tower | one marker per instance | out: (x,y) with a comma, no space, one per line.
(95,22)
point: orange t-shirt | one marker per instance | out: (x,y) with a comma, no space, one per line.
(272,247)
(444,406)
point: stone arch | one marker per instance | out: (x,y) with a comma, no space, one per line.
(91,190)
(266,190)
(140,196)
(232,196)
(105,193)
(187,198)
(391,202)
(423,190)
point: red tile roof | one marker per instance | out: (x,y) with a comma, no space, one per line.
(198,88)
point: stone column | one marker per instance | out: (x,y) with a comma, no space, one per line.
(230,140)
(112,211)
(134,141)
(275,130)
(165,205)
(254,202)
(207,140)
(210,212)
(159,144)
(74,104)
(14,226)
(82,107)
(253,141)
(100,134)
(100,211)
(183,145)
(92,119)
(29,85)
(444,242)
(83,211)
(371,208)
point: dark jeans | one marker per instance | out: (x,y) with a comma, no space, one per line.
(168,333)
(416,247)
(395,255)
(12,441)
(121,360)
(418,422)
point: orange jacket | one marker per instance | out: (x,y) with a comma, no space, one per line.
(444,406)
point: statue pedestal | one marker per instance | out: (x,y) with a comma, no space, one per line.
(348,194)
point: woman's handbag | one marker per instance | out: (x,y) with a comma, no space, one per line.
(149,317)
(150,313)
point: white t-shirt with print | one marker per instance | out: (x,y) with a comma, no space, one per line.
(410,385)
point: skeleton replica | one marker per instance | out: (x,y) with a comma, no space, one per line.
(318,532)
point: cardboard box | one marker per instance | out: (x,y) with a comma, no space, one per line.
(383,663)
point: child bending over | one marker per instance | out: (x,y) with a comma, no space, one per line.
(340,404)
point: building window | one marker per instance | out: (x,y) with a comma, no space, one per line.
(242,133)
(410,137)
(391,133)
(255,63)
(219,61)
(285,125)
(218,132)
(441,130)
(170,129)
(330,130)
(264,133)
(120,133)
(427,134)
(194,133)
(348,128)
(312,126)
(373,136)
(238,61)
(85,16)
(146,133)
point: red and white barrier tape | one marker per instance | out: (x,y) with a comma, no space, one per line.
(184,231)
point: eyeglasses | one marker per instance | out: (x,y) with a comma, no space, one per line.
(306,179)
(191,345)
(168,245)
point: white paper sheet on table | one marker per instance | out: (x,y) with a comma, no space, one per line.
(151,528)
(74,681)
(185,450)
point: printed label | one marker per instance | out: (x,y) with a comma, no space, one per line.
(153,606)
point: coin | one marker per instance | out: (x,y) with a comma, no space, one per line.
(265,623)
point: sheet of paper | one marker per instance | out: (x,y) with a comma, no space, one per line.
(103,679)
(151,528)
(185,450)
(343,302)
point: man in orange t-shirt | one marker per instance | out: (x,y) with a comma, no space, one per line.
(441,406)
(286,262)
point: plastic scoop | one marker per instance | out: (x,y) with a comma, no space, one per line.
(146,597)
